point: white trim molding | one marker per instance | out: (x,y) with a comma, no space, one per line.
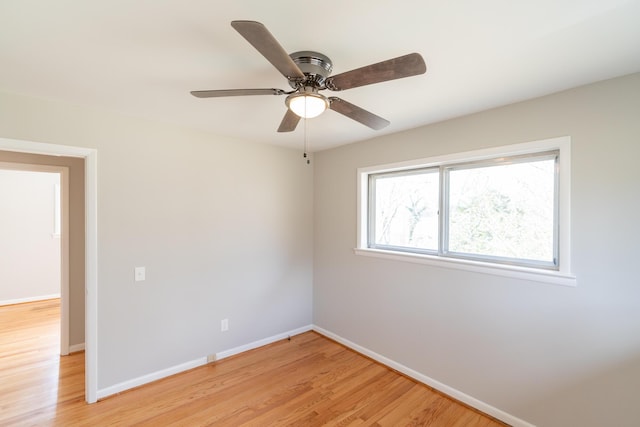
(29,299)
(163,373)
(74,348)
(449,391)
(515,272)
(151,377)
(261,343)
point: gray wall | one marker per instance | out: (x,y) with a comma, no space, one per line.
(29,250)
(548,354)
(223,227)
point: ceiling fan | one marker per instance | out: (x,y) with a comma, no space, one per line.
(308,73)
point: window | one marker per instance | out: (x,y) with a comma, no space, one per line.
(498,209)
(404,210)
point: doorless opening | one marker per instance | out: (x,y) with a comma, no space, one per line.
(89,157)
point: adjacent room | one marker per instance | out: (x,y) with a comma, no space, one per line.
(448,239)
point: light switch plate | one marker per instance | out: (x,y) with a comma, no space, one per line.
(140,274)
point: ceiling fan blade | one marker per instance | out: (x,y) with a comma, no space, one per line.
(260,38)
(358,114)
(391,69)
(289,122)
(235,92)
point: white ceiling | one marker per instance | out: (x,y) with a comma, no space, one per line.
(142,57)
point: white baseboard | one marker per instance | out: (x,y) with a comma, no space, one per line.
(449,391)
(262,342)
(76,347)
(154,376)
(29,299)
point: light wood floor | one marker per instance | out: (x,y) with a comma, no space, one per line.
(308,381)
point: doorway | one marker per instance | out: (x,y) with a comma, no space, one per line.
(88,281)
(35,244)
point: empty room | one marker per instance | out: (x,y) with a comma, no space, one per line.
(345,213)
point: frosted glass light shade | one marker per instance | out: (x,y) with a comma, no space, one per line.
(307,105)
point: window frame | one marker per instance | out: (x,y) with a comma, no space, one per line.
(371,235)
(503,160)
(557,275)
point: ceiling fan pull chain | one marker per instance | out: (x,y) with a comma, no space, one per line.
(304,155)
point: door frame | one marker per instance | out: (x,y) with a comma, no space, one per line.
(63,174)
(90,156)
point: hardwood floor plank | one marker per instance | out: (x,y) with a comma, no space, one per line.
(306,381)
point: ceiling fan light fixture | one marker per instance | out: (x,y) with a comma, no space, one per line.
(307,104)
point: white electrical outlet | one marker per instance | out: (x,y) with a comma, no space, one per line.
(140,274)
(224,325)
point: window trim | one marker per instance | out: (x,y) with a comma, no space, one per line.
(561,276)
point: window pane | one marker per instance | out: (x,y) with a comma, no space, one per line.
(504,210)
(406,210)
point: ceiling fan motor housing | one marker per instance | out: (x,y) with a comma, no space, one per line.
(315,66)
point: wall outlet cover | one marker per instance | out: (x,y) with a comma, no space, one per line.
(140,274)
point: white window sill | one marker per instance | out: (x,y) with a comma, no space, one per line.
(523,273)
